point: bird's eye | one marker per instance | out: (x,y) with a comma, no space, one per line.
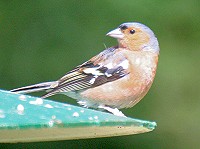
(132,31)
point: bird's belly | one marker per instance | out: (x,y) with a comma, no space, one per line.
(116,94)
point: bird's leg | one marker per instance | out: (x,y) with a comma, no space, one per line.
(114,111)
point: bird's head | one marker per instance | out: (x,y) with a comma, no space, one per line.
(135,36)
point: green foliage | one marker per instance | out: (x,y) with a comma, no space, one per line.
(41,40)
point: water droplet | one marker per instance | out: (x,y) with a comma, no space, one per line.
(51,123)
(90,118)
(22,97)
(96,117)
(69,108)
(82,111)
(39,101)
(75,114)
(53,117)
(48,106)
(2,115)
(20,109)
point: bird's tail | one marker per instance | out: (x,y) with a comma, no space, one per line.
(34,88)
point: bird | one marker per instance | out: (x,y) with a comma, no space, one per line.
(116,78)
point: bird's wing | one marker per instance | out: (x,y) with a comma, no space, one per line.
(103,68)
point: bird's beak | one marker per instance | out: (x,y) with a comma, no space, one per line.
(116,33)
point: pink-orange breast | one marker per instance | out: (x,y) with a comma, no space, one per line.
(127,91)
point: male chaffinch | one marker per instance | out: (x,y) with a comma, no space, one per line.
(118,77)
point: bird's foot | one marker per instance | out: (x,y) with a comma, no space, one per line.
(114,111)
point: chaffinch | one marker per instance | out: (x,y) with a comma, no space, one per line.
(118,77)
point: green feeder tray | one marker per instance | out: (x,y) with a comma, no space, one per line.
(31,119)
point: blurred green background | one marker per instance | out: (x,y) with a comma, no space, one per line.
(43,39)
